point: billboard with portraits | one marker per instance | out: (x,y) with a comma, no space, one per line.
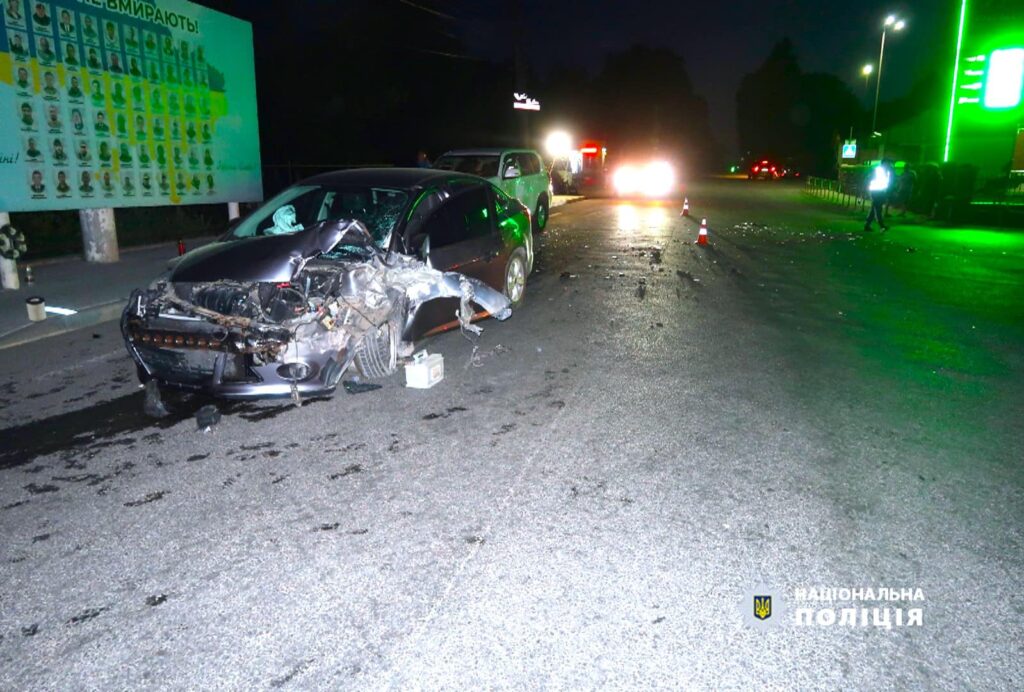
(115,103)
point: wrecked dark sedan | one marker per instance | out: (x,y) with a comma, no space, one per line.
(342,270)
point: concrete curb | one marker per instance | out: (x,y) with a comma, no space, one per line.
(56,325)
(562,200)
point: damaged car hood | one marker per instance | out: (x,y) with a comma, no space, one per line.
(268,258)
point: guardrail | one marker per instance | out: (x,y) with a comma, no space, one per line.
(845,192)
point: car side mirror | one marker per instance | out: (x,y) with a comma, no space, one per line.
(511,172)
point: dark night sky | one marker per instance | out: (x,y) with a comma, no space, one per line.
(721,40)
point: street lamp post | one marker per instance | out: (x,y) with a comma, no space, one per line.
(896,25)
(866,71)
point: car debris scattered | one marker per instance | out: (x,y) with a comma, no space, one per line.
(207,416)
(356,387)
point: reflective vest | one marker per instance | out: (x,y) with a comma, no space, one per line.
(879,179)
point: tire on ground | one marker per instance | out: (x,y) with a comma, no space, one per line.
(519,255)
(542,203)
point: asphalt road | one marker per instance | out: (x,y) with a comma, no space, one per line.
(584,501)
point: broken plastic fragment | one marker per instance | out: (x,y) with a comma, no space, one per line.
(153,405)
(353,387)
(465,312)
(207,417)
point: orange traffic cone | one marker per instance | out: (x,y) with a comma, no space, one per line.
(702,235)
(686,207)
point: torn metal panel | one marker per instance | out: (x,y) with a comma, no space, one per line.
(252,318)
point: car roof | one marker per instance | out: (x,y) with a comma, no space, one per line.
(387,177)
(487,150)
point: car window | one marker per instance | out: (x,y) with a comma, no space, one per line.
(468,217)
(420,216)
(529,164)
(503,205)
(509,162)
(483,165)
(303,206)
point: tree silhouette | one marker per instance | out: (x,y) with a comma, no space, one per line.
(646,103)
(785,113)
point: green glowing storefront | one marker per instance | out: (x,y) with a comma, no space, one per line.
(985,123)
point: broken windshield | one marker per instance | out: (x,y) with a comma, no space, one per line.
(304,206)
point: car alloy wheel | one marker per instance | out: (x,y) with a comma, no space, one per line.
(515,279)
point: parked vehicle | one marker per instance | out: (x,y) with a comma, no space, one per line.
(517,172)
(342,269)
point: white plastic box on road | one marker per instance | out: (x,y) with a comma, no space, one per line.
(425,370)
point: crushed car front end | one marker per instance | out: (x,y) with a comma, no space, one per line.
(228,339)
(279,316)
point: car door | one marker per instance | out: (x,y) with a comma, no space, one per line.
(463,238)
(534,180)
(468,241)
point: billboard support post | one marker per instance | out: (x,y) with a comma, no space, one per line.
(233,212)
(8,267)
(99,235)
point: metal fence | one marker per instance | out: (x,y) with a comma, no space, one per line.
(846,191)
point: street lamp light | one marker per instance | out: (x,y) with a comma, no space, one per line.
(558,144)
(896,24)
(866,71)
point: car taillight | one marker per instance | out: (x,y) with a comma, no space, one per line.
(757,168)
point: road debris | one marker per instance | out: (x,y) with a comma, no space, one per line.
(207,417)
(641,288)
(357,387)
(153,405)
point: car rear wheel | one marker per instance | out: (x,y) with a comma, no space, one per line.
(540,216)
(377,352)
(515,278)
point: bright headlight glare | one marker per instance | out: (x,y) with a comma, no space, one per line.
(658,179)
(626,180)
(655,179)
(558,144)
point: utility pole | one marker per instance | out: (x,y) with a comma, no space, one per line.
(897,25)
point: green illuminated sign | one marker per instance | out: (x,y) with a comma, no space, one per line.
(986,106)
(1005,78)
